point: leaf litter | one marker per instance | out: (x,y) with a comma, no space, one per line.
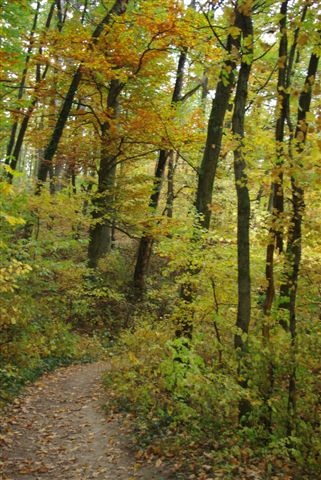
(58,431)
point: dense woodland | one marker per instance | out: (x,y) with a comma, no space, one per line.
(160,201)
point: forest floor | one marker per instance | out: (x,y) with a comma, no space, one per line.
(58,430)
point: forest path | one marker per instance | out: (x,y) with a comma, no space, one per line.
(58,430)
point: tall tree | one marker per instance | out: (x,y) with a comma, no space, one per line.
(101,229)
(146,241)
(289,287)
(118,8)
(244,23)
(220,104)
(21,89)
(211,155)
(285,73)
(286,64)
(16,141)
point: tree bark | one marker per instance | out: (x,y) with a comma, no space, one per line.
(100,232)
(146,241)
(244,22)
(276,206)
(285,70)
(277,196)
(118,8)
(212,150)
(283,98)
(12,151)
(208,167)
(288,289)
(170,184)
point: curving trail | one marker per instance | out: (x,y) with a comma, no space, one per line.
(58,431)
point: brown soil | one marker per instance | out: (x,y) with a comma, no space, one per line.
(58,430)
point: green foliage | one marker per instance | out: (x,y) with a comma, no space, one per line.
(167,384)
(180,397)
(37,289)
(97,298)
(182,393)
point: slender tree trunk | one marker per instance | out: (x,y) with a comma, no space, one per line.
(277,185)
(170,184)
(118,8)
(23,129)
(87,191)
(288,289)
(100,234)
(16,144)
(146,241)
(285,71)
(276,207)
(212,150)
(13,152)
(205,91)
(244,22)
(277,196)
(73,181)
(208,168)
(84,12)
(23,79)
(11,143)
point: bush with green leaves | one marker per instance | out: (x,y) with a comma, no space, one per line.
(39,268)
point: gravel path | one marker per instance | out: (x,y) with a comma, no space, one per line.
(58,430)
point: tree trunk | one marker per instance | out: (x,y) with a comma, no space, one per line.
(285,71)
(288,289)
(170,184)
(212,150)
(15,145)
(283,97)
(23,81)
(146,241)
(100,234)
(244,22)
(286,63)
(208,168)
(118,8)
(277,196)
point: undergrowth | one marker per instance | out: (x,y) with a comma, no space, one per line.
(46,320)
(183,406)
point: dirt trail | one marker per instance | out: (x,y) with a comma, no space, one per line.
(59,431)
